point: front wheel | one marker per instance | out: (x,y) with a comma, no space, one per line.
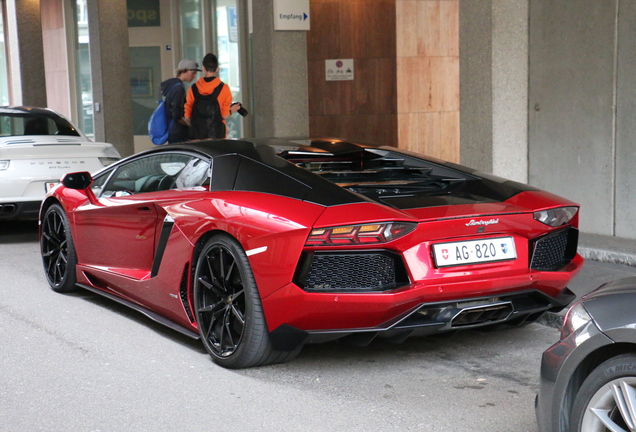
(58,250)
(228,307)
(607,398)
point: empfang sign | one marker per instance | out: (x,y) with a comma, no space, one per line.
(291,15)
(474,222)
(299,17)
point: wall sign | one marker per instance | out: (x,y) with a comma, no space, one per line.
(232,24)
(291,15)
(339,70)
(143,13)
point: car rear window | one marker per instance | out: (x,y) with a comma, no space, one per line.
(30,124)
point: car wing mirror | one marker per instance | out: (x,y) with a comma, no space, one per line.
(78,180)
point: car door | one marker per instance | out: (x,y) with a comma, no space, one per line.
(120,232)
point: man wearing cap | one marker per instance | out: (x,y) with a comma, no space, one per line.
(174,93)
(198,105)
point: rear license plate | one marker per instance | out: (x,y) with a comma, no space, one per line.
(474,251)
(49,186)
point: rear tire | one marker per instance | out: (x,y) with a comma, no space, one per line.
(58,250)
(228,308)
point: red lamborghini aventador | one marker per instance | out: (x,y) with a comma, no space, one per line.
(259,247)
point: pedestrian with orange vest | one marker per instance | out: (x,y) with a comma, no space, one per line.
(209,103)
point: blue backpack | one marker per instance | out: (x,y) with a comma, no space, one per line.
(158,125)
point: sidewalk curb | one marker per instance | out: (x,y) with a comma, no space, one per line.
(607,256)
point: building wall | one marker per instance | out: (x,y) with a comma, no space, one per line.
(625,154)
(572,120)
(405,90)
(278,76)
(493,41)
(510,89)
(428,77)
(365,108)
(475,74)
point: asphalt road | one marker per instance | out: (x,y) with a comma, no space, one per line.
(82,363)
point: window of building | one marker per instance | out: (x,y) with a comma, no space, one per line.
(226,21)
(83,69)
(145,80)
(192,34)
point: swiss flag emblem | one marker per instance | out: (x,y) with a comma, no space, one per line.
(445,254)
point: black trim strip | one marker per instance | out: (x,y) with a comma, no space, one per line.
(480,216)
(147,312)
(166,229)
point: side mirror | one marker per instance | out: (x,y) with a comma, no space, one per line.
(79,180)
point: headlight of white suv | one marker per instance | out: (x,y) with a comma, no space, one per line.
(4,165)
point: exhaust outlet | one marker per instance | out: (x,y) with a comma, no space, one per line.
(482,314)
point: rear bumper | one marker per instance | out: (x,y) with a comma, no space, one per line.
(431,318)
(19,210)
(311,311)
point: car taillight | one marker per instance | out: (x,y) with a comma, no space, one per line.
(108,160)
(359,234)
(557,216)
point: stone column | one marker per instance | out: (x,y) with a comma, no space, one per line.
(24,28)
(510,89)
(278,76)
(493,47)
(475,72)
(110,73)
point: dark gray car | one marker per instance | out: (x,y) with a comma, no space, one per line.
(588,378)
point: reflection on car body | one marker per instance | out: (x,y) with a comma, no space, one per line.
(259,247)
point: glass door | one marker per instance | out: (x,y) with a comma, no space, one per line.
(83,69)
(226,19)
(216,26)
(192,34)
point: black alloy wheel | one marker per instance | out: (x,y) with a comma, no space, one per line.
(228,307)
(58,251)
